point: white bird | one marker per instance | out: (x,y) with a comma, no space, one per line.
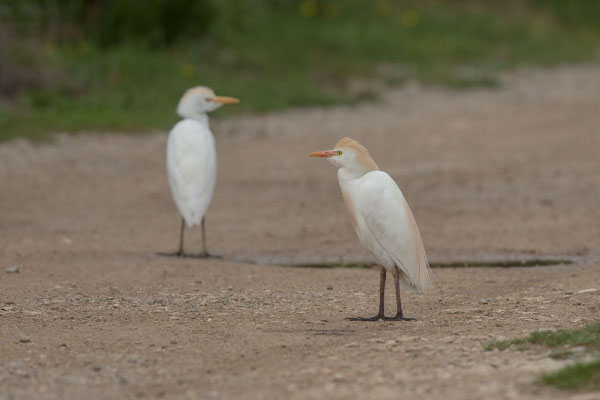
(192,159)
(382,219)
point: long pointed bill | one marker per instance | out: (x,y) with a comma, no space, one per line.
(324,153)
(224,100)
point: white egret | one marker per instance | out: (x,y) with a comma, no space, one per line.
(192,159)
(382,219)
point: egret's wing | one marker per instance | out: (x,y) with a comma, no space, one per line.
(191,168)
(390,220)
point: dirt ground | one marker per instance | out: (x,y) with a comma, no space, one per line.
(94,313)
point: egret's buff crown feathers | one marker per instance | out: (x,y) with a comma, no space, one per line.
(362,154)
(198,91)
(193,102)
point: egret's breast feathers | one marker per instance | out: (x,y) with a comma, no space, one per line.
(191,168)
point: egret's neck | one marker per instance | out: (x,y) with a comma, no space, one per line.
(201,117)
(345,175)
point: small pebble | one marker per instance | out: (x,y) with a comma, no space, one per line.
(453,311)
(592,290)
(24,339)
(292,387)
(13,269)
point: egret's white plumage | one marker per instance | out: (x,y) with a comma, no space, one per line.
(191,168)
(380,216)
(192,157)
(386,226)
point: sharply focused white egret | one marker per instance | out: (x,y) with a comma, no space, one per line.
(382,219)
(192,159)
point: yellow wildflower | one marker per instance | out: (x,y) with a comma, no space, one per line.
(409,18)
(187,70)
(308,8)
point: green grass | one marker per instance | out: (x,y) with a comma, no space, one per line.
(299,53)
(578,376)
(588,337)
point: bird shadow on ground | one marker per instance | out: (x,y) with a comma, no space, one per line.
(191,255)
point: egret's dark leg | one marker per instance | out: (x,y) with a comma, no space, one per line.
(379,316)
(180,252)
(382,275)
(204,251)
(399,315)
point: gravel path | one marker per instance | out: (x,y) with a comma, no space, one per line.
(92,312)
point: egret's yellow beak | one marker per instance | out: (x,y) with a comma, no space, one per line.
(224,100)
(325,153)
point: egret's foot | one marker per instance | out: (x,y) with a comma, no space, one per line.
(399,318)
(375,318)
(209,255)
(202,255)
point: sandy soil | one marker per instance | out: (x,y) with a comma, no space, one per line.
(500,174)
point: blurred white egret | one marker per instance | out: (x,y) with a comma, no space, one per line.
(382,219)
(192,159)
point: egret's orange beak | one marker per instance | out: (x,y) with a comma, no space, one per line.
(224,100)
(325,153)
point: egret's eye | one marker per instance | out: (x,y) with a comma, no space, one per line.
(339,152)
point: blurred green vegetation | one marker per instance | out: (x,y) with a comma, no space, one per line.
(581,375)
(586,337)
(73,65)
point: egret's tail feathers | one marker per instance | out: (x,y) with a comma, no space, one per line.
(423,278)
(419,283)
(420,277)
